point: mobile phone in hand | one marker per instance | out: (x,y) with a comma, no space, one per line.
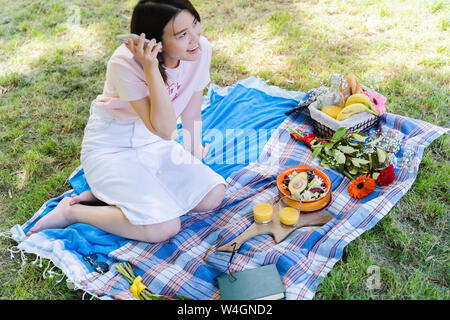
(124,37)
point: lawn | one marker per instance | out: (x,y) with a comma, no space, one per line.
(53,57)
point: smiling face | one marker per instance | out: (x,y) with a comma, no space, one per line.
(180,39)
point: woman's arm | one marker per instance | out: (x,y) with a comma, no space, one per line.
(163,128)
(156,111)
(191,119)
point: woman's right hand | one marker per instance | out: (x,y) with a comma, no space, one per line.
(145,53)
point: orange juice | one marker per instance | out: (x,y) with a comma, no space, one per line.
(262,212)
(289,216)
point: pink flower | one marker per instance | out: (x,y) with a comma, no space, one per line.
(378,101)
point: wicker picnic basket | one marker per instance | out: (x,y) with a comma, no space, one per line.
(325,126)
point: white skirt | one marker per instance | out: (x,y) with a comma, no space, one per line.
(150,179)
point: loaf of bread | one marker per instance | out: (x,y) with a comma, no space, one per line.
(354,85)
(345,88)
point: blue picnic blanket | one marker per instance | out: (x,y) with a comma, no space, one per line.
(250,144)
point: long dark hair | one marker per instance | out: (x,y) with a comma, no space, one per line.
(151,16)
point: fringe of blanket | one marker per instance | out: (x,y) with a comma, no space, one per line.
(47,273)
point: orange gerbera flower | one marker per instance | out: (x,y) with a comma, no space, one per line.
(361,187)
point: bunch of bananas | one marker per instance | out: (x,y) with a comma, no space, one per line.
(356,103)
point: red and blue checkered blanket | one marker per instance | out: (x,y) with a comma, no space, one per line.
(189,263)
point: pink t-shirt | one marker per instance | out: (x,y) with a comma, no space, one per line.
(125,81)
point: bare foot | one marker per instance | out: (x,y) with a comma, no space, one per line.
(55,219)
(84,196)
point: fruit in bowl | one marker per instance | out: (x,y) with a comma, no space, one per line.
(305,186)
(332,111)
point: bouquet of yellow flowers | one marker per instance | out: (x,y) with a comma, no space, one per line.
(138,289)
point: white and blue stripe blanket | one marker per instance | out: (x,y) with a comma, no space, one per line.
(250,144)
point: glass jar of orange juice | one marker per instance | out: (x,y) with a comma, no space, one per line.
(289,216)
(263,212)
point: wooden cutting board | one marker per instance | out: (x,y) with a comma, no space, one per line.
(276,229)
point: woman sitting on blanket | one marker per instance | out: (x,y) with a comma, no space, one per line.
(130,159)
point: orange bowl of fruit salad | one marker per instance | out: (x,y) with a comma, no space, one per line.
(305,186)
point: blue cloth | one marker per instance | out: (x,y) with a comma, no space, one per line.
(238,126)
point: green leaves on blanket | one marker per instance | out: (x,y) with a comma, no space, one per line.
(138,289)
(351,152)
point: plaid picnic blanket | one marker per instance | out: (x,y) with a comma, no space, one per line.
(189,263)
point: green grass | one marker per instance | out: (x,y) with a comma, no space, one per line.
(53,70)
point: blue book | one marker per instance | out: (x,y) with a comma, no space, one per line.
(262,283)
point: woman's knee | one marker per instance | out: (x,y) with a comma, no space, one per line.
(220,190)
(162,231)
(214,198)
